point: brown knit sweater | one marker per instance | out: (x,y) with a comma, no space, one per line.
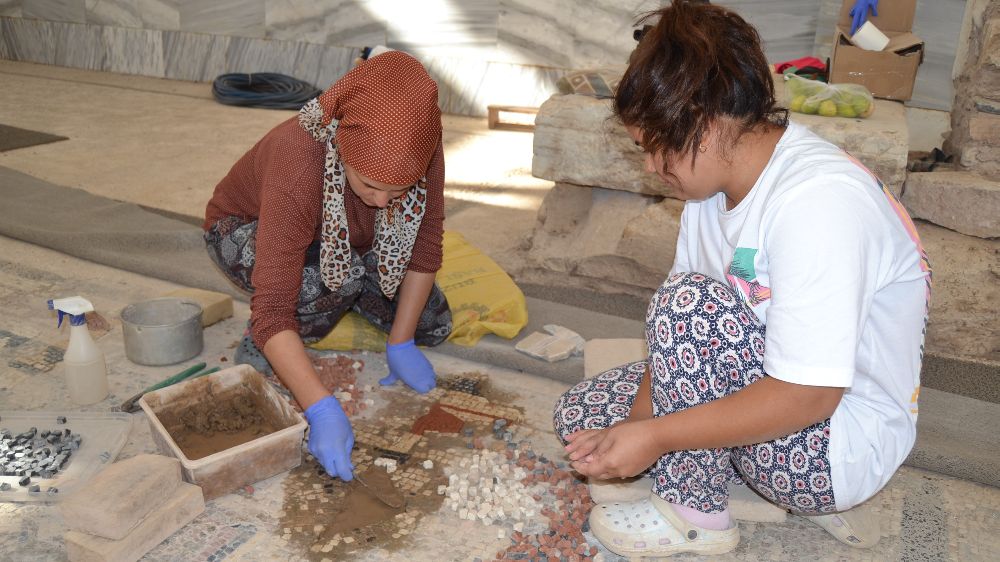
(279,183)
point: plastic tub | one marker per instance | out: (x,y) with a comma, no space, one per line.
(162,331)
(231,468)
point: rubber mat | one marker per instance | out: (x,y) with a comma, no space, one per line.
(12,138)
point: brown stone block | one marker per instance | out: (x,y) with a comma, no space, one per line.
(985,127)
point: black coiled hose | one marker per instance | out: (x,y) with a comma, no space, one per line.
(263,89)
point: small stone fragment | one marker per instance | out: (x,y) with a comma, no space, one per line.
(61,419)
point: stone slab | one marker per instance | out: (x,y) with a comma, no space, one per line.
(170,515)
(115,501)
(746,505)
(578,141)
(606,235)
(214,306)
(881,141)
(957,436)
(601,354)
(962,201)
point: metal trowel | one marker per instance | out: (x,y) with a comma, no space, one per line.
(392,497)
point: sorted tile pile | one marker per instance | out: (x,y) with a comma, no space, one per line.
(36,454)
(487,488)
(563,539)
(338,373)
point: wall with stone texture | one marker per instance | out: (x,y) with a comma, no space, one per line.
(480,51)
(975,137)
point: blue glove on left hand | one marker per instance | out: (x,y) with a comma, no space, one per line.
(408,363)
(860,13)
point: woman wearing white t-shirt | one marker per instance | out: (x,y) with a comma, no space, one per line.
(785,346)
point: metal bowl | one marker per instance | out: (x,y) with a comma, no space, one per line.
(162,331)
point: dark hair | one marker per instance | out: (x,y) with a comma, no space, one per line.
(698,63)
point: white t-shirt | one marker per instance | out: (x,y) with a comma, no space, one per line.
(832,265)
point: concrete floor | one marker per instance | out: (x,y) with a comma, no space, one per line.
(165,144)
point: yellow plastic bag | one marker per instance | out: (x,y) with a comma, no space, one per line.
(482,297)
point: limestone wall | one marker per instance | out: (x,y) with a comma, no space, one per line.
(975,137)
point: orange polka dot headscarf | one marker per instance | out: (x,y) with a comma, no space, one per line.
(382,118)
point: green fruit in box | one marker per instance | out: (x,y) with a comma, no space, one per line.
(810,106)
(828,108)
(796,103)
(846,110)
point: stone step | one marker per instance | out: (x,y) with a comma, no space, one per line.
(962,201)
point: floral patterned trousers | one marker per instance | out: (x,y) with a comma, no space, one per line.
(231,245)
(705,343)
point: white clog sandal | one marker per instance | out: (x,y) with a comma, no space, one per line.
(857,527)
(650,527)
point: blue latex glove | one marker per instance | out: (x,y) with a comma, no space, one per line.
(331,437)
(406,362)
(860,13)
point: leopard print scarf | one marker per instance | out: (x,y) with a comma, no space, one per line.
(396,225)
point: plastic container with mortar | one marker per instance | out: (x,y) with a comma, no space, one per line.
(162,331)
(232,468)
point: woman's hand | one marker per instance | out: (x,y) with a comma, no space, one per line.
(409,364)
(620,451)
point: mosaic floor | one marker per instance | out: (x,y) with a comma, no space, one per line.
(925,516)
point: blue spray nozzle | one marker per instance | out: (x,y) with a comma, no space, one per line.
(75,307)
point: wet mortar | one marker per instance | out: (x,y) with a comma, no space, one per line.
(328,519)
(220,421)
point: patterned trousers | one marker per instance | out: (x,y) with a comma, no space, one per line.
(231,245)
(705,343)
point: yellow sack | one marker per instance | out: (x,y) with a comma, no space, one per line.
(482,297)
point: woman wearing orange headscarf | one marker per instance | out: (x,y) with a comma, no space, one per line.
(339,209)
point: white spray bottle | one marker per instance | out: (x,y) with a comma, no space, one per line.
(86,371)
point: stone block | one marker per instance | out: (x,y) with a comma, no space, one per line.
(603,234)
(173,511)
(980,158)
(989,51)
(987,82)
(962,201)
(578,141)
(214,306)
(116,500)
(620,489)
(881,141)
(985,127)
(746,505)
(601,354)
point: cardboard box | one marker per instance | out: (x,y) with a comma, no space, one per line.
(889,73)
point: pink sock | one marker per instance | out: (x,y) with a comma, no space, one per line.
(713,521)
